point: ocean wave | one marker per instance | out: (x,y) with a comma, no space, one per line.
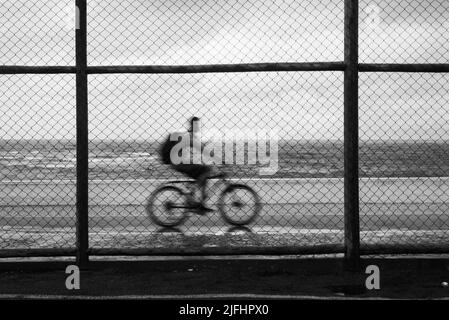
(52,161)
(121,161)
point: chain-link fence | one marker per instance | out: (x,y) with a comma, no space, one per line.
(298,111)
(404,128)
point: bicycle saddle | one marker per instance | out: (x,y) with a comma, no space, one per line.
(218,176)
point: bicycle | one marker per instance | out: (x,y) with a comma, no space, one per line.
(169,205)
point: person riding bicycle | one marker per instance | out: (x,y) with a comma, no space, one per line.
(179,151)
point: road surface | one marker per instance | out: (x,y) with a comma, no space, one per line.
(46,209)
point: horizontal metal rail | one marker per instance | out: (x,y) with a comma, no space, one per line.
(36,70)
(221,68)
(365,250)
(424,68)
(394,249)
(230,68)
(268,251)
(24,253)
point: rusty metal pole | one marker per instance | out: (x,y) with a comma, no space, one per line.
(351,137)
(82,147)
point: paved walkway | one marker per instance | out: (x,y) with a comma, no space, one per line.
(179,278)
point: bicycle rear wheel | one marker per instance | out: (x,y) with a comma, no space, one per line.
(239,204)
(167,206)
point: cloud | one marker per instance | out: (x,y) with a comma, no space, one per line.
(201,32)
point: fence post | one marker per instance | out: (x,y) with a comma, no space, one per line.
(82,146)
(351,137)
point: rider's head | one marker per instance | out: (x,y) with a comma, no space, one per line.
(194,122)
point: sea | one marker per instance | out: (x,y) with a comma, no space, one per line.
(24,160)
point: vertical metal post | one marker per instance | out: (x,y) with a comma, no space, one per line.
(351,137)
(82,147)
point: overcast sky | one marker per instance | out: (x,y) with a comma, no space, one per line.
(297,105)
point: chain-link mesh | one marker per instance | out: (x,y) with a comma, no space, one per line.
(298,206)
(37,32)
(37,161)
(403,121)
(404,158)
(142,110)
(397,31)
(203,32)
(404,125)
(37,127)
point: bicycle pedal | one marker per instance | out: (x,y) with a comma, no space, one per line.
(201,210)
(195,205)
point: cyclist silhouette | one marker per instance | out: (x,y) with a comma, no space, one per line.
(197,171)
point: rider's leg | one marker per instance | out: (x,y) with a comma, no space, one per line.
(198,172)
(202,182)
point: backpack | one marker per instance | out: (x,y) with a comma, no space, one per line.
(165,150)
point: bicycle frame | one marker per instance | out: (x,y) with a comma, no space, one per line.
(192,186)
(189,204)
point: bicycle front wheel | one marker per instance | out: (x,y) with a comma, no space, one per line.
(239,204)
(167,206)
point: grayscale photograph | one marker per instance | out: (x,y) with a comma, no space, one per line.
(202,151)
